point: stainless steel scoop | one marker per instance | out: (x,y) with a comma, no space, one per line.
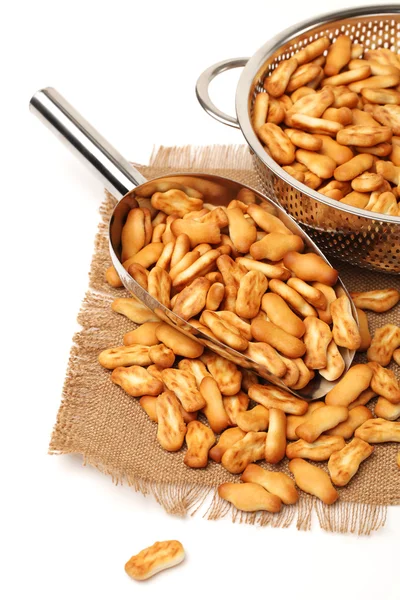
(126,184)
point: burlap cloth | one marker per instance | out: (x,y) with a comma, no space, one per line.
(98,420)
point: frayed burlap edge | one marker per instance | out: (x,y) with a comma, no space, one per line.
(183,499)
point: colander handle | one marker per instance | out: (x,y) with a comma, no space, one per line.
(203,83)
(114,171)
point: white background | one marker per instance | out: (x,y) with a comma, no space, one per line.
(67,531)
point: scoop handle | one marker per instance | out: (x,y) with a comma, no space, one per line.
(115,172)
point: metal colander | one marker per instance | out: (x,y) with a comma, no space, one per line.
(357,236)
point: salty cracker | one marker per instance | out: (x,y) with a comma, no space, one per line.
(215,296)
(136,381)
(339,55)
(367,182)
(378,431)
(241,232)
(321,420)
(266,221)
(171,427)
(125,356)
(256,419)
(195,367)
(386,410)
(381,96)
(133,309)
(344,97)
(388,115)
(155,372)
(272,397)
(196,269)
(175,202)
(389,171)
(315,125)
(161,356)
(345,330)
(317,338)
(159,285)
(396,356)
(293,421)
(353,168)
(312,294)
(248,378)
(313,480)
(313,104)
(304,140)
(149,405)
(199,440)
(363,328)
(225,373)
(192,299)
(292,298)
(266,356)
(305,374)
(278,143)
(384,382)
(347,77)
(292,374)
(310,267)
(273,246)
(214,409)
(363,135)
(251,289)
(181,248)
(180,344)
(139,274)
(240,324)
(277,82)
(337,152)
(348,389)
(245,451)
(344,464)
(276,483)
(335,364)
(223,331)
(376,300)
(320,164)
(275,445)
(189,259)
(304,74)
(133,233)
(158,232)
(384,342)
(227,439)
(281,315)
(198,232)
(312,50)
(249,497)
(357,416)
(375,82)
(382,203)
(285,343)
(234,405)
(164,259)
(260,110)
(183,384)
(156,558)
(320,449)
(362,399)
